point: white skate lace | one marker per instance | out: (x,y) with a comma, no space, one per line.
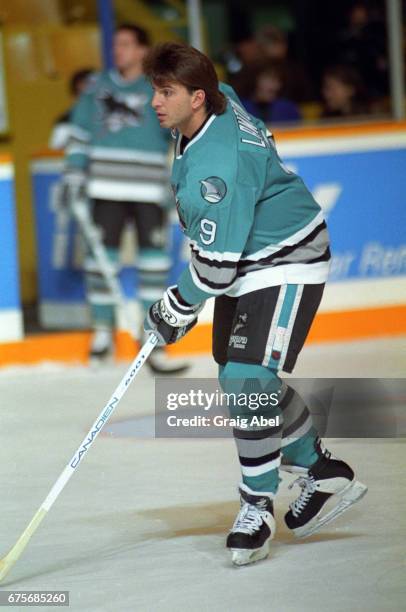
(248,520)
(308,486)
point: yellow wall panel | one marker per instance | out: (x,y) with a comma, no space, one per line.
(30,11)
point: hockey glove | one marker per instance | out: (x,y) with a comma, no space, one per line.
(171,317)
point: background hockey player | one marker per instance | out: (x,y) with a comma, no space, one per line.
(117,155)
(259,245)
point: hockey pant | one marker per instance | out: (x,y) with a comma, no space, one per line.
(152,262)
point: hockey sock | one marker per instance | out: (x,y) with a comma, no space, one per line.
(298,435)
(153,266)
(302,452)
(258,445)
(98,293)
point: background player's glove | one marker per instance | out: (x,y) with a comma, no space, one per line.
(72,188)
(171,317)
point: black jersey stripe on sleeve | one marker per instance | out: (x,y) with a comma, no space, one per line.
(224,263)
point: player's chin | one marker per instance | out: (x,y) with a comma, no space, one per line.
(164,121)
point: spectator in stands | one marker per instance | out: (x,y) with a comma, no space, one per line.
(79,81)
(266,101)
(240,59)
(60,130)
(362,44)
(274,47)
(273,43)
(343,93)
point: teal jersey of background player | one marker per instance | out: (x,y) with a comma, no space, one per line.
(116,138)
(251,222)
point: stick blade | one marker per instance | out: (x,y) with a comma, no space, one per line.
(13,555)
(5,565)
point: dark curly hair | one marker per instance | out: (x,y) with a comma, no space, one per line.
(176,62)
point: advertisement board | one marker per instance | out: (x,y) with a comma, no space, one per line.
(10,310)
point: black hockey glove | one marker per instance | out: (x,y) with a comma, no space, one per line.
(171,317)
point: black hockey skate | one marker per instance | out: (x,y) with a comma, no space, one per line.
(161,364)
(253,528)
(328,489)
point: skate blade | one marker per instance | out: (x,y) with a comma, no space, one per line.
(243,556)
(349,496)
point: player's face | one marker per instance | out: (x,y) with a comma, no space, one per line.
(127,51)
(174,105)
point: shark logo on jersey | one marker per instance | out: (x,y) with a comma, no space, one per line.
(213,189)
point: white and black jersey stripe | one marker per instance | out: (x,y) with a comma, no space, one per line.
(216,273)
(213,271)
(313,248)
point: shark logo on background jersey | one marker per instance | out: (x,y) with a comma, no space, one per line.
(213,189)
(119,111)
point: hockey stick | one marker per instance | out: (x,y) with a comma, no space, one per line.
(8,561)
(80,210)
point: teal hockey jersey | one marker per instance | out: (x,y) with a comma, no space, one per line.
(251,222)
(117,139)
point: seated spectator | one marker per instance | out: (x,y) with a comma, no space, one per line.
(343,93)
(273,43)
(266,101)
(239,59)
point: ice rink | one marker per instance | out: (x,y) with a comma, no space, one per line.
(141,526)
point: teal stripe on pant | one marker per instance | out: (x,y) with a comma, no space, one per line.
(286,310)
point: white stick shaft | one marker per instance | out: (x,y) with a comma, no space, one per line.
(101,420)
(8,561)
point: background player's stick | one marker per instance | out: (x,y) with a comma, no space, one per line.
(81,213)
(8,561)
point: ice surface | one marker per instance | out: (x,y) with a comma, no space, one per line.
(142,523)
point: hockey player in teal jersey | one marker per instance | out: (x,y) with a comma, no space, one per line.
(259,246)
(117,154)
